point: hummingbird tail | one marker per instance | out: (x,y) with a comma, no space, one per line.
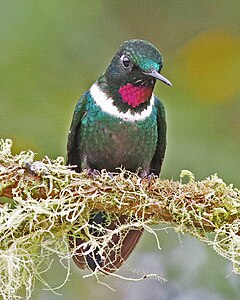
(113,255)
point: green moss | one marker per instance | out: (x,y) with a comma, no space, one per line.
(53,203)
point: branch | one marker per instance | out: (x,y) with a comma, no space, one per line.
(52,203)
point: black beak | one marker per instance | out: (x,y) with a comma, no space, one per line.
(158,76)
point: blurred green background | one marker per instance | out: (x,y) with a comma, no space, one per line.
(52,51)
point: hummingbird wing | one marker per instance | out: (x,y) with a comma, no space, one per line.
(156,163)
(73,155)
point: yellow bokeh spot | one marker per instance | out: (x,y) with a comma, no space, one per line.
(210,66)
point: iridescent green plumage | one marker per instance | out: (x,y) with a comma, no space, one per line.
(99,141)
(120,123)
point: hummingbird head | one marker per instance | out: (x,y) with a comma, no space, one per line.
(133,72)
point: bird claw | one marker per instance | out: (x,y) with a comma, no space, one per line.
(93,173)
(148,177)
(111,175)
(96,173)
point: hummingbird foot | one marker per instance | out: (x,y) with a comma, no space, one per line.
(93,173)
(149,177)
(96,173)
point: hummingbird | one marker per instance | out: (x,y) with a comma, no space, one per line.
(119,122)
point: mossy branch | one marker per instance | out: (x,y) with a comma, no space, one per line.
(51,202)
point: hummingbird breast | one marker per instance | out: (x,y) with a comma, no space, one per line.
(108,142)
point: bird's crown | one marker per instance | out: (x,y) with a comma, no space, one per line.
(142,54)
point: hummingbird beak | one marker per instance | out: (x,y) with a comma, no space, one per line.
(158,76)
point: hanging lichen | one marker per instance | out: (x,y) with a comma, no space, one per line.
(51,204)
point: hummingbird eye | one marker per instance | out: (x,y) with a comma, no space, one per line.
(126,62)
